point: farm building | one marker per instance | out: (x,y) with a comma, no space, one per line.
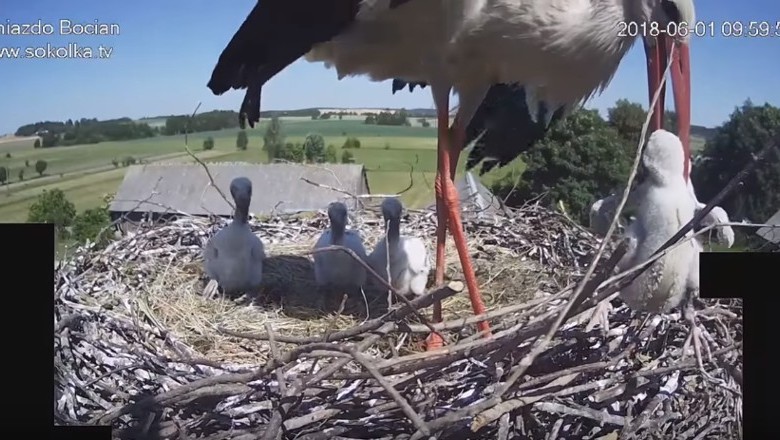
(475,198)
(164,191)
(771,235)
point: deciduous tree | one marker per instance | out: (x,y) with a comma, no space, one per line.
(749,129)
(242,140)
(53,207)
(314,147)
(40,166)
(580,160)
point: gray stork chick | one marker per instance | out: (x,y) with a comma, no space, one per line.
(337,271)
(234,256)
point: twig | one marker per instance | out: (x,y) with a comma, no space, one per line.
(588,287)
(492,314)
(630,429)
(411,176)
(276,356)
(396,396)
(494,413)
(581,411)
(276,420)
(197,159)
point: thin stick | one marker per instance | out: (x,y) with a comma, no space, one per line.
(197,159)
(394,394)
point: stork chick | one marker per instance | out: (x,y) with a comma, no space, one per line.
(409,261)
(664,206)
(336,271)
(603,210)
(234,256)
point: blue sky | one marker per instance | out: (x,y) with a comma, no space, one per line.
(164,55)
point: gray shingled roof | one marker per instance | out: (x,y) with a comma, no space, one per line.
(771,235)
(475,197)
(275,187)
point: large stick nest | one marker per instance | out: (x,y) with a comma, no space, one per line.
(138,346)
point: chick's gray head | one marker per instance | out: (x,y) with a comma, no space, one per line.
(337,213)
(241,189)
(392,208)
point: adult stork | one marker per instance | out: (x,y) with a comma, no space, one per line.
(561,52)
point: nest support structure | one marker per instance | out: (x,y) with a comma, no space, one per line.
(138,347)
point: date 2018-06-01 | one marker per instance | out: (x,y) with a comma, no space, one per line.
(749,29)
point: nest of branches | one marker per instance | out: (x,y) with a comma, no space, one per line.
(138,346)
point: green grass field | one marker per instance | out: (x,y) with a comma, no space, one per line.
(86,174)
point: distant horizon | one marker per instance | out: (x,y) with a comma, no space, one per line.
(142,118)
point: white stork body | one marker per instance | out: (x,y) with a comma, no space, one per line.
(472,44)
(406,257)
(663,206)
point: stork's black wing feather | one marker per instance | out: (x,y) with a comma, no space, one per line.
(505,119)
(506,126)
(273,36)
(399,84)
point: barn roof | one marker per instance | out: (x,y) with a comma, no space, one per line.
(475,197)
(280,188)
(771,235)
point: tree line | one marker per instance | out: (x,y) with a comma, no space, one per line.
(39,167)
(399,118)
(85,131)
(93,131)
(208,121)
(311,150)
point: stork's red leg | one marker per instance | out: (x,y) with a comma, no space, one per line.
(452,202)
(448,208)
(434,340)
